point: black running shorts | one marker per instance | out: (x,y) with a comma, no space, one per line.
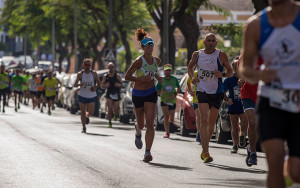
(138,102)
(275,123)
(214,100)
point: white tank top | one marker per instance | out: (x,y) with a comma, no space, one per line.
(206,65)
(88,81)
(280,45)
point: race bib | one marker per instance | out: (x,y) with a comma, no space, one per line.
(50,89)
(169,104)
(237,93)
(284,99)
(113,96)
(206,75)
(169,88)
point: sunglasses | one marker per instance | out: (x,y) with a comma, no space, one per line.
(111,67)
(148,44)
(87,64)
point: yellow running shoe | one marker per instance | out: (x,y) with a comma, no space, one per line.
(207,158)
(202,155)
(288,182)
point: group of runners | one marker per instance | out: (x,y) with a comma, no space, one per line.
(41,88)
(269,65)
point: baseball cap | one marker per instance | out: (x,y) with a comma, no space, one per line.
(168,67)
(146,40)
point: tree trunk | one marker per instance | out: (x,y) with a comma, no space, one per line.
(189,27)
(259,5)
(128,56)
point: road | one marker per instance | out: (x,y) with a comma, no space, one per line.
(38,150)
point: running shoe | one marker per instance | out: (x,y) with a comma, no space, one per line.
(242,141)
(109,125)
(198,139)
(16,109)
(253,158)
(288,181)
(138,141)
(202,155)
(49,113)
(115,118)
(83,130)
(207,158)
(248,157)
(147,157)
(42,111)
(167,135)
(3,111)
(234,149)
(53,107)
(87,120)
(18,105)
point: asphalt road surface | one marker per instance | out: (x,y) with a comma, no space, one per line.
(38,150)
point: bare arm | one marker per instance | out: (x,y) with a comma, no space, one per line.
(103,84)
(77,80)
(120,84)
(191,67)
(225,62)
(250,56)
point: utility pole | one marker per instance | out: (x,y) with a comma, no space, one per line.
(53,44)
(25,50)
(166,32)
(110,27)
(75,35)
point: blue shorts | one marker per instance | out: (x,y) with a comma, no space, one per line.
(235,108)
(86,100)
(248,104)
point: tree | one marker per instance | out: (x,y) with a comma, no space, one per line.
(261,4)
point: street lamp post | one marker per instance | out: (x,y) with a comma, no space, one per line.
(75,35)
(166,32)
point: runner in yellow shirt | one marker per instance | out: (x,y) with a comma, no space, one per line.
(50,84)
(192,91)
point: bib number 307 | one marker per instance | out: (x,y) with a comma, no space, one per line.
(284,99)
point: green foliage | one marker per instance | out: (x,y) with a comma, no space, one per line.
(181,57)
(122,60)
(3,46)
(231,30)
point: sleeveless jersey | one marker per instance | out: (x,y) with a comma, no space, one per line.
(206,65)
(146,68)
(3,80)
(281,46)
(88,81)
(112,89)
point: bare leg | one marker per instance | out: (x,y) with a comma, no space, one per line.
(204,135)
(252,133)
(165,110)
(234,118)
(274,150)
(150,116)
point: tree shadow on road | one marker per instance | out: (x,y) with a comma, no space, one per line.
(237,182)
(178,139)
(159,165)
(235,169)
(95,134)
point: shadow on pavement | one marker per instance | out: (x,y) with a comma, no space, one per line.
(249,183)
(169,166)
(95,134)
(235,169)
(178,139)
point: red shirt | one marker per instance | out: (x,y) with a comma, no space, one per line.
(249,91)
